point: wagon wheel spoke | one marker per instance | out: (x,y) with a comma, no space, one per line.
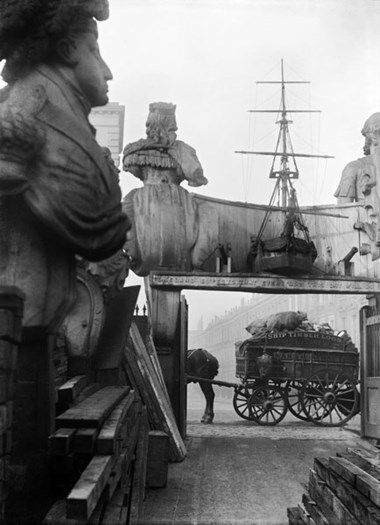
(268,405)
(329,398)
(293,390)
(240,402)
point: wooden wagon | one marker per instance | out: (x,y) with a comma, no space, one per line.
(314,375)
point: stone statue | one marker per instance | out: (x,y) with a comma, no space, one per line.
(165,223)
(59,194)
(360,182)
(355,175)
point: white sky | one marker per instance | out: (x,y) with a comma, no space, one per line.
(205,56)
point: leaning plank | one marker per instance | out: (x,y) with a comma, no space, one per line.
(357,477)
(366,512)
(71,389)
(94,410)
(84,497)
(160,411)
(107,440)
(328,501)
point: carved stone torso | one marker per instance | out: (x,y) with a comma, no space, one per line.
(60,200)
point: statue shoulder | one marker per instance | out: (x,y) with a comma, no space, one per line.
(21,136)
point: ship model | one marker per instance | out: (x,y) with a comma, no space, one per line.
(292,251)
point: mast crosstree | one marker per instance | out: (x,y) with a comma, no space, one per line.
(284,147)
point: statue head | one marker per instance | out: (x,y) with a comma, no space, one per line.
(371,132)
(161,125)
(56,33)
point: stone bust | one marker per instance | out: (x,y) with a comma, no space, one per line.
(165,229)
(59,195)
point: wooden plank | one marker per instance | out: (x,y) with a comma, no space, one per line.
(328,501)
(107,440)
(60,443)
(158,458)
(139,478)
(365,511)
(159,410)
(114,511)
(70,390)
(94,410)
(86,392)
(84,440)
(372,458)
(295,516)
(358,478)
(113,337)
(316,514)
(362,463)
(86,493)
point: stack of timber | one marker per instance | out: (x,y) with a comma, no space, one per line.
(11,310)
(98,455)
(145,375)
(342,490)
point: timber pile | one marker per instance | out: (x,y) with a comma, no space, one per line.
(98,455)
(342,490)
(11,309)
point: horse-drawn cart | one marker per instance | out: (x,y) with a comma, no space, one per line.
(314,375)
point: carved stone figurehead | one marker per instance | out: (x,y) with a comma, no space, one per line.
(59,193)
(161,157)
(371,132)
(360,182)
(165,217)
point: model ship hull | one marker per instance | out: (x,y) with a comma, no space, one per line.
(283,256)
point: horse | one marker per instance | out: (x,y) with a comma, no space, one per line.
(200,363)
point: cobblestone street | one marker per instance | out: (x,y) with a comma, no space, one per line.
(237,472)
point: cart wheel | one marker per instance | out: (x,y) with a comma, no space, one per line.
(329,398)
(293,390)
(240,401)
(268,405)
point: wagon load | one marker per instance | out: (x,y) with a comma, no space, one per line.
(305,367)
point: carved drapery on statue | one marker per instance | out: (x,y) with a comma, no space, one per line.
(360,182)
(165,217)
(59,195)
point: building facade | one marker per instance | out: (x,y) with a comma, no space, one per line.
(109,124)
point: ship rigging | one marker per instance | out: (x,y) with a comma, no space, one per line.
(292,251)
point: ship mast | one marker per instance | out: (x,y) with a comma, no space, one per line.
(284,149)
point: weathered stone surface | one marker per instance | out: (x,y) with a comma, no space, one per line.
(59,194)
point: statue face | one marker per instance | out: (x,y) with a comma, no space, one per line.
(90,71)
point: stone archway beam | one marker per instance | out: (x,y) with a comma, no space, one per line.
(263,283)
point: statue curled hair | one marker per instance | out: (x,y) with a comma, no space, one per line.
(31,30)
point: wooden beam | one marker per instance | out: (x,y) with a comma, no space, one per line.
(267,283)
(60,443)
(84,497)
(107,440)
(68,392)
(94,410)
(329,502)
(360,506)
